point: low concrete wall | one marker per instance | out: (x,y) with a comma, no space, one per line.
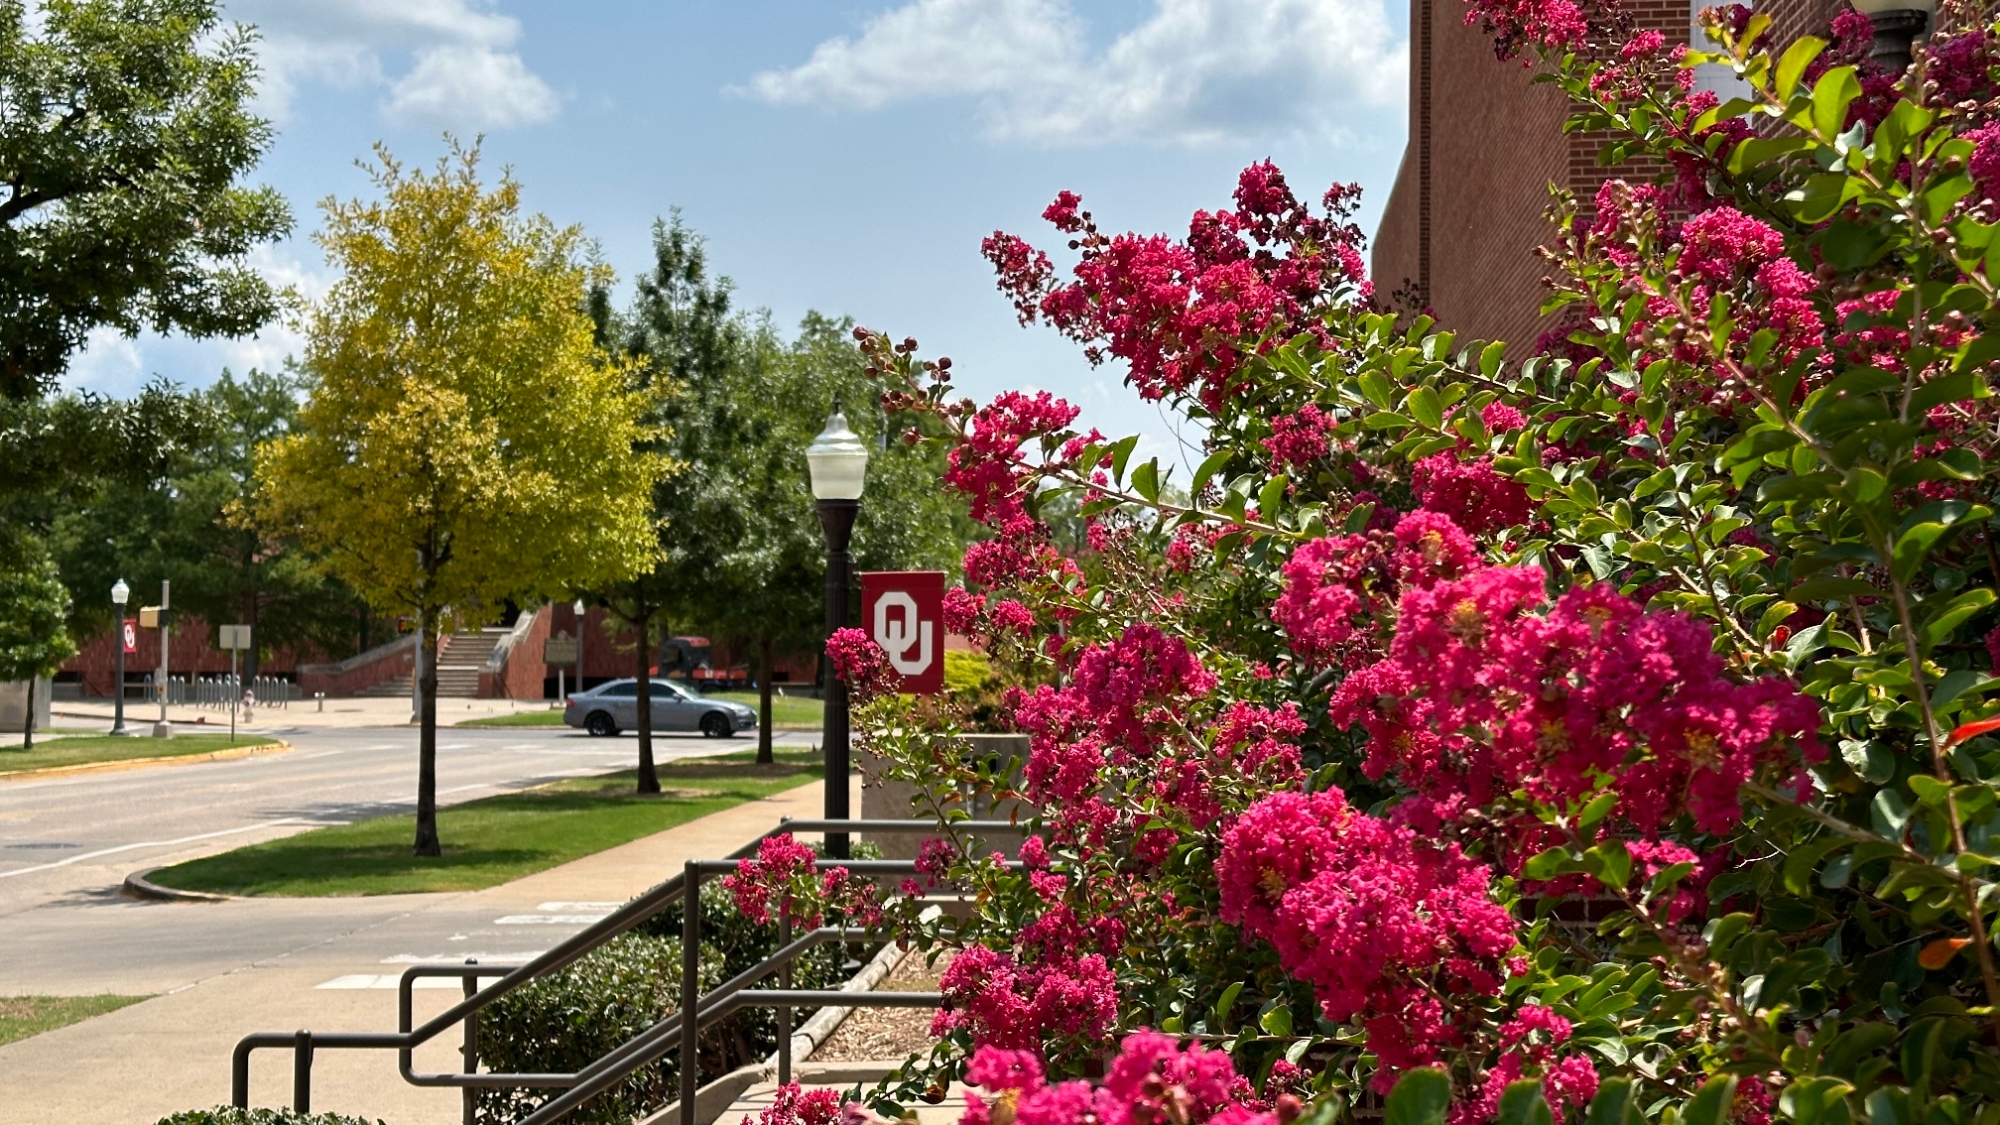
(383,662)
(890,800)
(14,705)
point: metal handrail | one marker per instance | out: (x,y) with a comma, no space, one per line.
(643,1048)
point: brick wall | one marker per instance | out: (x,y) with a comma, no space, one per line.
(188,652)
(1467,212)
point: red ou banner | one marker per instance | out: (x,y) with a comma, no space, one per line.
(129,632)
(903,611)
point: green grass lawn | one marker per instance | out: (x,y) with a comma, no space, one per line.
(85,749)
(788,712)
(489,841)
(22,1016)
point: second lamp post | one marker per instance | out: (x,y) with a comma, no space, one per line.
(838,464)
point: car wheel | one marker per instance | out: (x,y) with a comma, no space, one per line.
(715,724)
(600,724)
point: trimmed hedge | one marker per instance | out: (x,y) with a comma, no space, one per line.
(230,1115)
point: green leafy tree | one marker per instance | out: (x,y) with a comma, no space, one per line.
(33,606)
(190,524)
(741,554)
(466,443)
(126,130)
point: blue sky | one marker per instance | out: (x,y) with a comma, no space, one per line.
(839,155)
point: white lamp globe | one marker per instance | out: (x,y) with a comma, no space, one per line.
(837,460)
(120,592)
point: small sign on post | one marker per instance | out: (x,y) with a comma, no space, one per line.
(235,638)
(129,633)
(559,649)
(903,611)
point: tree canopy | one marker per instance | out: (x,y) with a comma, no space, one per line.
(125,132)
(465,443)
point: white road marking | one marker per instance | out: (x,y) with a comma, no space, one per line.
(388,980)
(459,958)
(149,844)
(558,907)
(550,919)
(456,746)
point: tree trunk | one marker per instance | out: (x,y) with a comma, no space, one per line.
(427,829)
(764,701)
(649,778)
(250,661)
(28,723)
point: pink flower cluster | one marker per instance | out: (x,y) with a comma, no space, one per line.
(781,877)
(988,466)
(794,1106)
(1298,440)
(1528,1046)
(1470,492)
(1003,1002)
(1489,688)
(1120,698)
(1386,927)
(1516,25)
(861,664)
(1338,588)
(1153,1081)
(1183,314)
(974,615)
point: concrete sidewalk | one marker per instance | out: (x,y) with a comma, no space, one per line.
(171,1053)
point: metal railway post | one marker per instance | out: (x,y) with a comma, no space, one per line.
(690,986)
(302,1071)
(469,1115)
(785,1010)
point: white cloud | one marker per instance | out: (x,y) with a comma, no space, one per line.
(449,63)
(1194,71)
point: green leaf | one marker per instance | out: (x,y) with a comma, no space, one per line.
(1889,814)
(1424,406)
(1939,628)
(1712,1103)
(1548,864)
(1616,1103)
(1797,57)
(1121,451)
(1489,359)
(1609,863)
(1269,498)
(1599,807)
(1377,388)
(1228,1003)
(1421,1097)
(1211,465)
(1146,480)
(1277,1021)
(1799,865)
(1832,94)
(1948,388)
(1522,1103)
(1826,589)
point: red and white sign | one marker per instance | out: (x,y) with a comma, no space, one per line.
(129,629)
(903,611)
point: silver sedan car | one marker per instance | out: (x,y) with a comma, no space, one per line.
(611,707)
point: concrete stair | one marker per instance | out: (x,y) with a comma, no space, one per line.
(463,655)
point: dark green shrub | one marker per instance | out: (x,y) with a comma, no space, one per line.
(230,1115)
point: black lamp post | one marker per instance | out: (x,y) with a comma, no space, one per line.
(120,594)
(1897,25)
(838,464)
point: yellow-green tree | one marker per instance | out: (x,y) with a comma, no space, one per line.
(465,443)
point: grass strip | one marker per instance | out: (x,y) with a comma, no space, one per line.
(788,712)
(90,749)
(23,1016)
(494,839)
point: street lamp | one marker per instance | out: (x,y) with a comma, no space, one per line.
(1897,25)
(838,464)
(120,594)
(579,608)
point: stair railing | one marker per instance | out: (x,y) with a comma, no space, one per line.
(681,1028)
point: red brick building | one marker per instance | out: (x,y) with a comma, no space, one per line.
(1459,232)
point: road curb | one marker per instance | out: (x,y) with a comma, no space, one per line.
(272,747)
(138,886)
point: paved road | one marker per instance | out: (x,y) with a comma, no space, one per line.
(67,843)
